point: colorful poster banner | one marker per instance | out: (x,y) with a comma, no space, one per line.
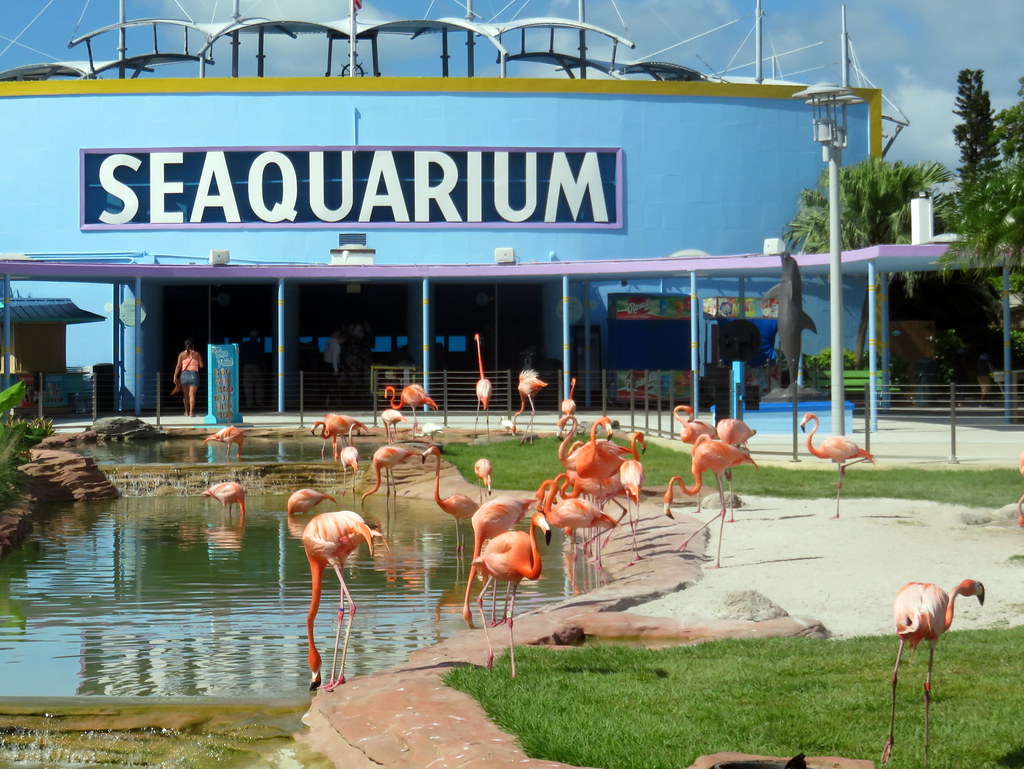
(222,384)
(649,306)
(730,306)
(640,384)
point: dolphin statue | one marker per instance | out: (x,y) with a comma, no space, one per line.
(792,318)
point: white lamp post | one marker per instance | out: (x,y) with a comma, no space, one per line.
(828,104)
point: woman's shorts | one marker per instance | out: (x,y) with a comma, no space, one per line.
(189,378)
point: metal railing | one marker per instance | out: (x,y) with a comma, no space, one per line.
(639,402)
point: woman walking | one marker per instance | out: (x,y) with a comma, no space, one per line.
(186,376)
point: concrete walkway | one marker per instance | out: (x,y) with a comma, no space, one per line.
(925,440)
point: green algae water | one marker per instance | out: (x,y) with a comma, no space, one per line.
(172,607)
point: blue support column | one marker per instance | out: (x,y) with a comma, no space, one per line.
(280,345)
(695,314)
(736,386)
(872,399)
(427,333)
(118,352)
(7,331)
(587,363)
(883,301)
(137,333)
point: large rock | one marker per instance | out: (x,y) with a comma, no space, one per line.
(15,524)
(59,476)
(124,429)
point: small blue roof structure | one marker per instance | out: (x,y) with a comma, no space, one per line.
(50,311)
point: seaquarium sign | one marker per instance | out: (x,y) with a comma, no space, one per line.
(310,187)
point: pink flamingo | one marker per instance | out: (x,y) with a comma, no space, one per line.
(736,433)
(632,477)
(227,436)
(568,405)
(328,539)
(350,458)
(492,518)
(334,426)
(391,418)
(413,396)
(483,469)
(304,500)
(840,450)
(510,557)
(483,389)
(385,459)
(717,457)
(228,493)
(573,514)
(690,429)
(529,385)
(923,611)
(596,459)
(458,506)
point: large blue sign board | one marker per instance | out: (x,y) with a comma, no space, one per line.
(222,386)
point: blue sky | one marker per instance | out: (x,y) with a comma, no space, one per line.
(911,49)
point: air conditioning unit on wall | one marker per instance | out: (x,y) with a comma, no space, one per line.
(353,254)
(220,256)
(505,256)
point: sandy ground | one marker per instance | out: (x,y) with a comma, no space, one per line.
(846,572)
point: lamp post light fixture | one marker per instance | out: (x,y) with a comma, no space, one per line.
(828,105)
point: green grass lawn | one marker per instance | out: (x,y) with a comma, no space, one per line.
(617,708)
(525,466)
(623,708)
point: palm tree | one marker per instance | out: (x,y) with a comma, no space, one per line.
(990,220)
(875,200)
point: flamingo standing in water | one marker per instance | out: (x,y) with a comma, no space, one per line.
(690,429)
(924,611)
(227,436)
(573,514)
(510,557)
(413,396)
(632,477)
(492,518)
(350,458)
(717,457)
(385,459)
(334,426)
(568,405)
(304,500)
(228,493)
(328,539)
(599,459)
(529,385)
(483,389)
(840,450)
(458,506)
(483,469)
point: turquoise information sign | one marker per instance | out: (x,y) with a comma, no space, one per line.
(222,387)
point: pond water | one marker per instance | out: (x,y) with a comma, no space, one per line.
(170,598)
(191,450)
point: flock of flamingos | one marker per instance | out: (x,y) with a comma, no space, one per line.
(594,473)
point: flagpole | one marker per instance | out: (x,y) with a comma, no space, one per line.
(352,38)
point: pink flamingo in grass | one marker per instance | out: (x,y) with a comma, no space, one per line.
(228,435)
(690,430)
(329,539)
(840,450)
(924,611)
(510,557)
(483,389)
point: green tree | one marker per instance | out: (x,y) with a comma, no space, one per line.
(875,200)
(979,152)
(1009,129)
(990,220)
